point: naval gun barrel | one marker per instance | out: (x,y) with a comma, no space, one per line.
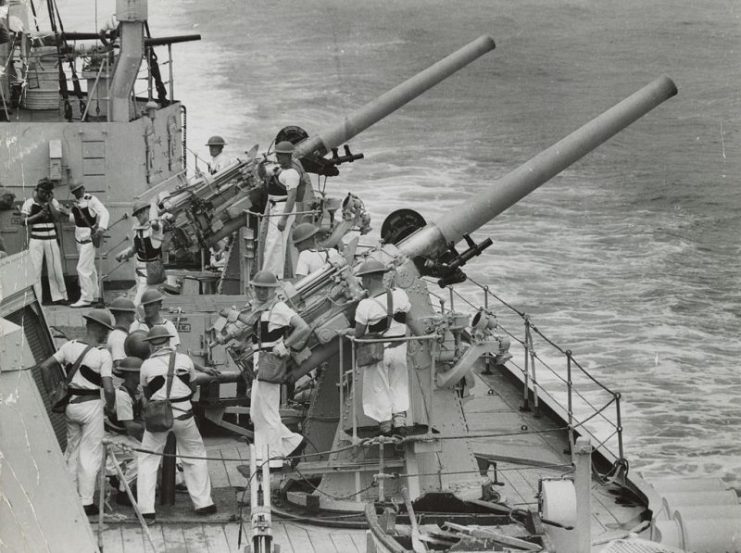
(392,100)
(514,186)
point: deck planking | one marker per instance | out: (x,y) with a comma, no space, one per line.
(493,413)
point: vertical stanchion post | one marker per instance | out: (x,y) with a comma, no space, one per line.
(583,483)
(526,388)
(171,79)
(486,297)
(433,357)
(452,303)
(342,382)
(381,475)
(536,406)
(149,73)
(253,472)
(101,498)
(570,399)
(353,390)
(619,428)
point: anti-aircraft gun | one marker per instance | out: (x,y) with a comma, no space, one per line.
(327,299)
(212,207)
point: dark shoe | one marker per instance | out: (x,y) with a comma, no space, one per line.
(91,510)
(385,428)
(122,498)
(149,518)
(210,510)
(399,423)
(295,455)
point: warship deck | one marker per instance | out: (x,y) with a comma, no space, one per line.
(522,459)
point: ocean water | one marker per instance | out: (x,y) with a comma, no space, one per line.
(629,258)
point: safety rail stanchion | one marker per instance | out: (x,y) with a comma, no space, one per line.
(342,383)
(101,497)
(619,427)
(353,391)
(433,356)
(171,82)
(381,485)
(570,399)
(525,389)
(536,406)
(452,295)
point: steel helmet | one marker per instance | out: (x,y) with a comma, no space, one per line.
(75,186)
(135,346)
(302,232)
(130,365)
(284,147)
(151,295)
(152,105)
(371,267)
(122,304)
(216,141)
(140,206)
(157,332)
(100,316)
(265,279)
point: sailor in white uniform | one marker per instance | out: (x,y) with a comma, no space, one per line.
(311,256)
(153,381)
(124,312)
(84,412)
(40,214)
(385,383)
(278,330)
(218,159)
(146,243)
(279,211)
(91,220)
(124,425)
(151,302)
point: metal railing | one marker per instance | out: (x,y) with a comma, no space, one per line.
(570,379)
(351,376)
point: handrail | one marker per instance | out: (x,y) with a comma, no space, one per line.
(532,386)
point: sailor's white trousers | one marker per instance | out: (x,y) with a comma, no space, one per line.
(276,240)
(195,471)
(84,452)
(140,275)
(87,272)
(272,437)
(49,249)
(386,385)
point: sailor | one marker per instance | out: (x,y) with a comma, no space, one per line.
(216,150)
(278,329)
(40,215)
(146,244)
(311,256)
(218,255)
(84,413)
(151,302)
(385,383)
(153,381)
(91,220)
(124,313)
(125,425)
(279,211)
